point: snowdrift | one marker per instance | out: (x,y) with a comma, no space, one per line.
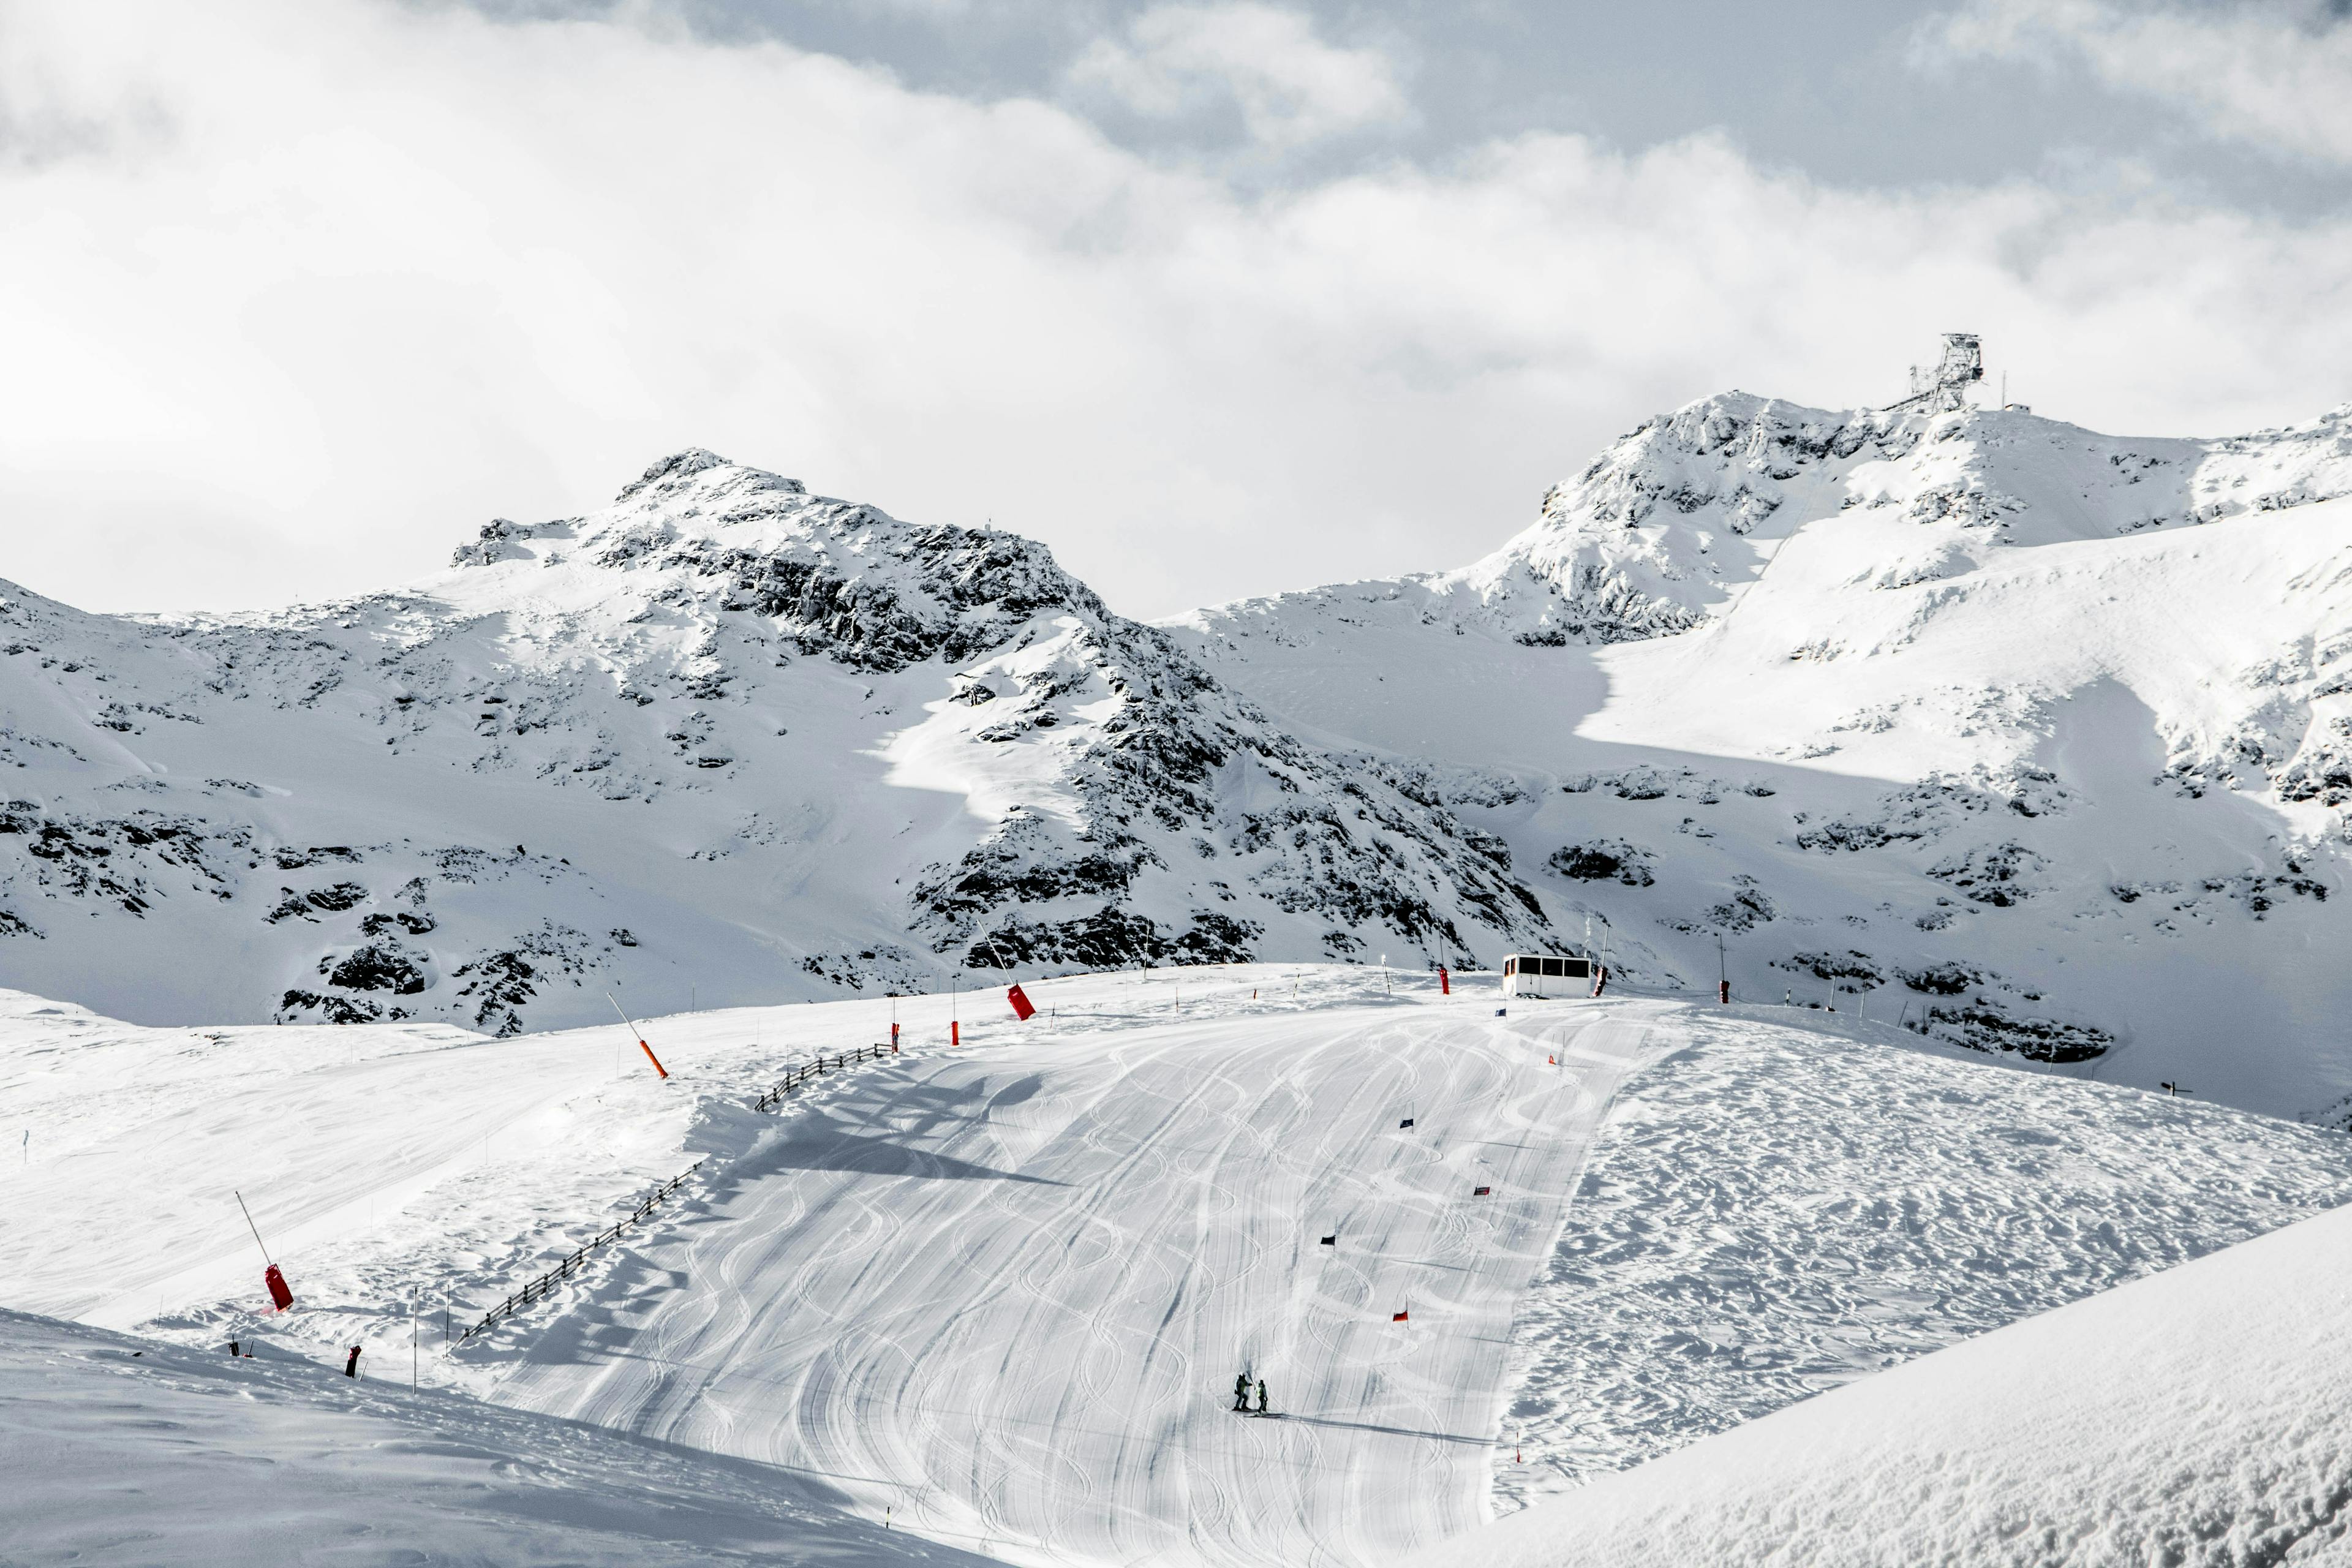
(127,1450)
(2195,1417)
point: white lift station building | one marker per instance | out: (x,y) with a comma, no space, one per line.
(1543,975)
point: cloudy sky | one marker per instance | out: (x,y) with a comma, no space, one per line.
(1216,299)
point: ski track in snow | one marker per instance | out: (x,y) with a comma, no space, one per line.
(1010,1294)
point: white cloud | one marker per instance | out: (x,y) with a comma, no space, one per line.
(317,286)
(1290,87)
(2278,75)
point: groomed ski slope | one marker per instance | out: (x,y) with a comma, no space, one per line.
(998,1295)
(2196,1418)
(1031,1347)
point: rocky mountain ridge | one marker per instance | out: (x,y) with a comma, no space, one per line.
(876,753)
(2035,739)
(2040,740)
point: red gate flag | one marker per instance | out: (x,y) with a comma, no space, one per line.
(1022,1008)
(1480,1192)
(279,1292)
(1401,1317)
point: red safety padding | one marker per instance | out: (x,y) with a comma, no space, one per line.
(279,1292)
(1022,1008)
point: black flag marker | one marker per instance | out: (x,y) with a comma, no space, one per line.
(1480,1192)
(1332,1239)
(1405,1123)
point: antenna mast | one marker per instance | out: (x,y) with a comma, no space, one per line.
(1945,388)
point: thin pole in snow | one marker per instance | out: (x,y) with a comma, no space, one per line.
(411,1338)
(632,1029)
(251,1226)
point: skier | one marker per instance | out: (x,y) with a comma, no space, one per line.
(1261,1396)
(1241,1394)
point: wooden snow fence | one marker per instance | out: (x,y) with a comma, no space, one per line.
(540,1288)
(799,1075)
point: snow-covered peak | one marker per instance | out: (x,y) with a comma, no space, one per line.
(1668,526)
(1665,528)
(838,576)
(881,751)
(679,472)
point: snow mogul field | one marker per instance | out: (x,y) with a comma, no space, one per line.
(996,1297)
(2192,1418)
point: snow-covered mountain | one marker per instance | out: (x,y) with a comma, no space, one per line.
(724,740)
(2035,738)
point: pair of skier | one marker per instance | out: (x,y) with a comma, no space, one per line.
(1242,1395)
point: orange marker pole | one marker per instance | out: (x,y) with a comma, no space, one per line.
(641,1039)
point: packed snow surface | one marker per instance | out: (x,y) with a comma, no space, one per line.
(999,1294)
(1014,1292)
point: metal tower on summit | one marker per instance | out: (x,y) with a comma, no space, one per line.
(1942,387)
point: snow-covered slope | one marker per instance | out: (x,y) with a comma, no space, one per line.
(724,740)
(138,1451)
(1771,1212)
(2037,739)
(1002,1291)
(2194,1419)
